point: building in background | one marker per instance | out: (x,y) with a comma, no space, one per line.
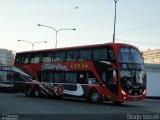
(151,56)
(153,80)
(6,57)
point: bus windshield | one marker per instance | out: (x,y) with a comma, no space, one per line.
(131,55)
(132,71)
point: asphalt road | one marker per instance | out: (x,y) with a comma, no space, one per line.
(17,106)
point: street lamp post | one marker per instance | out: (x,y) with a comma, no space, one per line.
(115,21)
(32,43)
(56,31)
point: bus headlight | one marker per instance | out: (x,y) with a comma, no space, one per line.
(124,93)
(144,92)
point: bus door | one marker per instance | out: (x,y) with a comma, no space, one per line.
(109,78)
(108,73)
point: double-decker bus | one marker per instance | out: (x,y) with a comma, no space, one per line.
(111,71)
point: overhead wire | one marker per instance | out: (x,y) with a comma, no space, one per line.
(141,27)
(130,30)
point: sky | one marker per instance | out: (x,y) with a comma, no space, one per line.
(137,23)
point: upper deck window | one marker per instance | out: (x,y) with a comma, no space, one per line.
(136,56)
(129,55)
(88,54)
(72,55)
(85,55)
(125,55)
(27,58)
(111,55)
(47,57)
(59,57)
(19,59)
(36,58)
(100,54)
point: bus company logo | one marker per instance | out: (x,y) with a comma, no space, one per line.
(55,67)
(132,66)
(5,68)
(124,66)
(78,66)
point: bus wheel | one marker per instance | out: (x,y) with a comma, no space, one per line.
(95,97)
(117,102)
(28,91)
(37,92)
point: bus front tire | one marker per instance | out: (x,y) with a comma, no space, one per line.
(95,97)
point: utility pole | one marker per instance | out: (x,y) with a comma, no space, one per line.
(115,21)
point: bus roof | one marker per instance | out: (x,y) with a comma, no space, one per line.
(76,47)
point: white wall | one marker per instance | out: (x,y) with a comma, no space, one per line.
(153,83)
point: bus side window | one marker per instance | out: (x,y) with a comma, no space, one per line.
(19,59)
(84,55)
(111,55)
(72,55)
(90,78)
(46,76)
(40,76)
(104,77)
(36,58)
(82,78)
(27,58)
(107,77)
(59,57)
(47,57)
(71,77)
(59,77)
(100,54)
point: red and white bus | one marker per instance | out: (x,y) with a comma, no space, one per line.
(112,71)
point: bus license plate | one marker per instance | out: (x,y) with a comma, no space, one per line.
(135,99)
